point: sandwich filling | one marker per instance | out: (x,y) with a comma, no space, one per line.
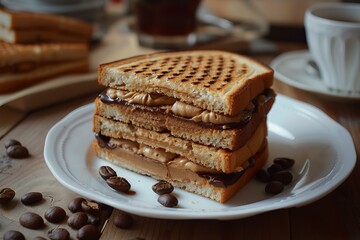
(157,162)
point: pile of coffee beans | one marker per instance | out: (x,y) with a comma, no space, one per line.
(15,149)
(164,190)
(87,217)
(277,175)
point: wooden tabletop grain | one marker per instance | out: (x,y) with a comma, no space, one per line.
(335,216)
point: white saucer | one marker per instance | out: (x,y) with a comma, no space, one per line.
(290,68)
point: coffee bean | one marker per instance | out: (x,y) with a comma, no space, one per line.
(31,220)
(263,176)
(168,200)
(90,207)
(17,151)
(12,142)
(94,220)
(283,176)
(75,204)
(285,163)
(6,195)
(77,220)
(162,187)
(274,187)
(55,214)
(123,220)
(106,172)
(119,184)
(59,234)
(88,232)
(13,235)
(274,168)
(31,198)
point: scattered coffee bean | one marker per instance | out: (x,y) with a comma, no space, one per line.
(77,220)
(88,232)
(274,187)
(59,234)
(13,235)
(31,220)
(119,184)
(274,168)
(162,187)
(17,151)
(283,176)
(31,198)
(94,220)
(106,172)
(285,163)
(90,207)
(75,204)
(55,214)
(263,176)
(6,195)
(123,220)
(11,142)
(168,200)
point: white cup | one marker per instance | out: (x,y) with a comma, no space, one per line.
(333,36)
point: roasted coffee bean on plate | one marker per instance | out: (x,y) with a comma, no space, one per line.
(31,198)
(119,184)
(77,220)
(274,168)
(274,187)
(55,214)
(123,220)
(13,235)
(6,195)
(162,187)
(263,175)
(75,205)
(90,207)
(285,163)
(31,220)
(88,232)
(168,200)
(106,172)
(282,176)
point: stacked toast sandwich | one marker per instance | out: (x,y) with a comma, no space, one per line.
(36,47)
(196,119)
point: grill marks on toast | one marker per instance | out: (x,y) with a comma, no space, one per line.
(209,71)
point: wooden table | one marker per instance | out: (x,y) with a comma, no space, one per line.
(336,216)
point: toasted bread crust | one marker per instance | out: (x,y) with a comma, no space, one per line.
(219,81)
(12,82)
(201,186)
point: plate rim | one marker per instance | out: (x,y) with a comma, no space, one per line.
(177,213)
(302,55)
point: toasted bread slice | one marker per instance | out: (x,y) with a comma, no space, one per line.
(218,81)
(35,21)
(14,55)
(182,173)
(10,82)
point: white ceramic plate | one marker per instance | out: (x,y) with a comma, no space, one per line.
(290,68)
(323,150)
